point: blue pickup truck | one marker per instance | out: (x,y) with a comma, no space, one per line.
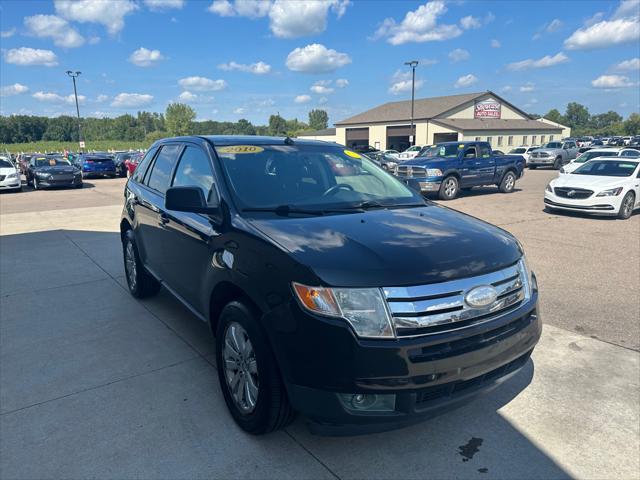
(447,168)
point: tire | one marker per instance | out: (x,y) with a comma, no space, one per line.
(449,188)
(557,165)
(242,346)
(35,183)
(626,207)
(508,183)
(140,282)
(532,167)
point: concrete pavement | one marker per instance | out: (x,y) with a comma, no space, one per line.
(94,383)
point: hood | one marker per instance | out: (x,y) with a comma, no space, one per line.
(422,161)
(383,248)
(547,150)
(7,170)
(57,169)
(591,182)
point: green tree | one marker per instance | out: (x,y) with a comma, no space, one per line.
(632,124)
(154,136)
(318,119)
(179,118)
(555,116)
(244,127)
(277,126)
(577,115)
(604,120)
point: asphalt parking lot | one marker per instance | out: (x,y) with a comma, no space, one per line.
(94,383)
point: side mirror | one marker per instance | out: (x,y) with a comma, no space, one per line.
(188,199)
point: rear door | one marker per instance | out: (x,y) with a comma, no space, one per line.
(150,214)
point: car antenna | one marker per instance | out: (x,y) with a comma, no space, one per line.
(288,141)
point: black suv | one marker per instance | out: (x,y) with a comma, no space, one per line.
(332,288)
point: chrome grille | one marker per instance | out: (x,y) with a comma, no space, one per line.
(427,309)
(539,155)
(576,193)
(411,171)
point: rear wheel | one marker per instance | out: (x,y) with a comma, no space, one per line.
(248,373)
(508,183)
(141,283)
(626,207)
(449,188)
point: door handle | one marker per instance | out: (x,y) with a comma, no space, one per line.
(163,219)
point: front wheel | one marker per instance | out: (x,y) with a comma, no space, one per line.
(557,165)
(449,188)
(248,373)
(35,183)
(626,207)
(508,183)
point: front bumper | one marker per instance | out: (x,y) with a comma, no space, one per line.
(322,361)
(10,184)
(98,173)
(541,162)
(50,183)
(424,185)
(594,205)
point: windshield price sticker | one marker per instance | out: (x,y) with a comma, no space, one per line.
(240,149)
(351,154)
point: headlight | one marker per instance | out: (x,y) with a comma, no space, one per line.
(613,192)
(42,174)
(549,189)
(391,165)
(434,172)
(528,279)
(12,175)
(363,308)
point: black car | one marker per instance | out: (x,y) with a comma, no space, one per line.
(46,171)
(119,159)
(331,288)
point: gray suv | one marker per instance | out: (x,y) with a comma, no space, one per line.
(553,154)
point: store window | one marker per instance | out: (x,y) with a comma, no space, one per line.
(533,139)
(525,138)
(510,140)
(551,138)
(541,138)
(489,139)
(477,139)
(499,141)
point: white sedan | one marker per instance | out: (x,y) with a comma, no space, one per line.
(604,186)
(409,153)
(9,176)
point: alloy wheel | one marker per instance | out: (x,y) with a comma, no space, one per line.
(509,183)
(450,187)
(628,206)
(241,368)
(130,264)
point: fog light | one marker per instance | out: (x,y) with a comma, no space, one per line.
(369,402)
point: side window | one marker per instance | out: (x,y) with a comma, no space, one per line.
(194,170)
(470,152)
(484,151)
(141,169)
(160,175)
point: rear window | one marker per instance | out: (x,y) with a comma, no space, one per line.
(5,164)
(98,159)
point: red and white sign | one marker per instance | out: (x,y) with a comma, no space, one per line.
(487,109)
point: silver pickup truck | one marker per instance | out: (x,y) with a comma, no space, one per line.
(553,154)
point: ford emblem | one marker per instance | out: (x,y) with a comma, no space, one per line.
(482,296)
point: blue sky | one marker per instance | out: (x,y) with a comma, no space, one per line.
(248,59)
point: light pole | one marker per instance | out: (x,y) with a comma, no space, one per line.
(413,64)
(73,76)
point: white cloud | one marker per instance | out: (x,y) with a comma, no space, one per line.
(102,98)
(554,25)
(202,84)
(94,40)
(302,18)
(495,43)
(143,57)
(630,65)
(613,81)
(528,87)
(302,99)
(544,62)
(15,89)
(506,89)
(55,98)
(622,27)
(470,22)
(25,56)
(401,83)
(466,81)
(63,34)
(420,25)
(323,100)
(187,96)
(322,87)
(459,55)
(8,33)
(109,14)
(258,68)
(342,82)
(131,100)
(316,58)
(287,19)
(157,5)
(240,111)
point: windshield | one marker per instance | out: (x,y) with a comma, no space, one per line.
(553,145)
(270,176)
(449,150)
(518,150)
(51,161)
(607,168)
(5,163)
(589,155)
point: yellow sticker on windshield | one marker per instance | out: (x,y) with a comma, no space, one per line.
(351,154)
(240,149)
(461,146)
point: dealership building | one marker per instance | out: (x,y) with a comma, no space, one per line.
(481,116)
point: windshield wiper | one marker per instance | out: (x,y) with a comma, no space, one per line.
(370,205)
(284,210)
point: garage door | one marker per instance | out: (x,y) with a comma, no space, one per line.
(357,137)
(398,138)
